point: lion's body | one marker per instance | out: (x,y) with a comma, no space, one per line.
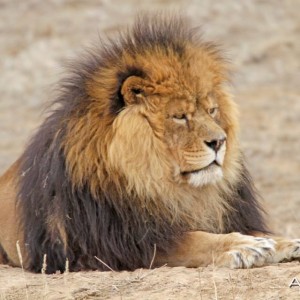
(130,160)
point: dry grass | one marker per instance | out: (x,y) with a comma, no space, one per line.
(23,272)
(162,283)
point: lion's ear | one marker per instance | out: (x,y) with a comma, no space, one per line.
(135,89)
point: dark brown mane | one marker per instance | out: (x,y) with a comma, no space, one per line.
(64,220)
(247,212)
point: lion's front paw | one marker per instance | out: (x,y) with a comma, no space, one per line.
(286,249)
(246,251)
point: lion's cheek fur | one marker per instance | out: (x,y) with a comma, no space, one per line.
(137,155)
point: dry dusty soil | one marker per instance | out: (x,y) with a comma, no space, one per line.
(261,37)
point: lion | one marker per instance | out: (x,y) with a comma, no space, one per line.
(138,165)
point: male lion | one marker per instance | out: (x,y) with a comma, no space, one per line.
(140,153)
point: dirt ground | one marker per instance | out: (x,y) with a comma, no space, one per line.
(261,37)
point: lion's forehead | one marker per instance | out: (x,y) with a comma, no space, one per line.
(184,94)
(181,105)
(181,98)
(189,76)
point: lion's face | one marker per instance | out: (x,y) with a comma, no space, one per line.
(195,139)
(190,128)
(184,117)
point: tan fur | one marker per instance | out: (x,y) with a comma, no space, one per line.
(10,232)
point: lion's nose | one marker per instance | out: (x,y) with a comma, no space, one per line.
(215,144)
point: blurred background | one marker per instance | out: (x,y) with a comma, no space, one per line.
(261,38)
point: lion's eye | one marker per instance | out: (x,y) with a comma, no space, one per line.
(213,111)
(180,119)
(136,91)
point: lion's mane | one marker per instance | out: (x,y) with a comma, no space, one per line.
(75,205)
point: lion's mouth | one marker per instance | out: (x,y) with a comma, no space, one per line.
(212,164)
(208,175)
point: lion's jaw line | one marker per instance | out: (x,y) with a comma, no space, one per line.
(207,176)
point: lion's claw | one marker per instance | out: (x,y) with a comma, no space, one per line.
(247,252)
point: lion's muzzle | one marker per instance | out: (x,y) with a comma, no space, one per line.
(205,166)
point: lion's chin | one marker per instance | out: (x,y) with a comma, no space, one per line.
(206,176)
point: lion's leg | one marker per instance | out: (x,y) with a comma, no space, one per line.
(232,250)
(285,249)
(9,219)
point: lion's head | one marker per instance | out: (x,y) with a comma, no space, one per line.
(179,109)
(141,148)
(158,111)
